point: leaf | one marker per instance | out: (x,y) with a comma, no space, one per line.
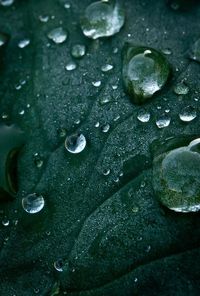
(113,235)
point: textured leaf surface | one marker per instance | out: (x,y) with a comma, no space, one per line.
(115,237)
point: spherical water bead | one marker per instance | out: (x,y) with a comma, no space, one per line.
(105,128)
(58,265)
(3,39)
(33,203)
(5,222)
(6,2)
(188,114)
(75,143)
(58,35)
(106,68)
(195,52)
(143,116)
(70,66)
(163,121)
(102,19)
(23,43)
(96,83)
(181,89)
(176,179)
(78,51)
(145,72)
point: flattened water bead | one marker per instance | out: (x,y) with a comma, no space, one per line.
(188,114)
(176,178)
(23,43)
(102,19)
(145,72)
(33,203)
(11,140)
(75,143)
(58,35)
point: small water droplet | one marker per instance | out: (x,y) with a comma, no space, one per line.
(43,18)
(58,265)
(145,72)
(22,112)
(33,203)
(188,114)
(96,83)
(5,222)
(58,35)
(163,121)
(102,19)
(104,100)
(75,143)
(78,51)
(181,89)
(143,116)
(6,2)
(167,51)
(71,66)
(106,67)
(23,43)
(105,128)
(97,124)
(106,172)
(67,5)
(38,160)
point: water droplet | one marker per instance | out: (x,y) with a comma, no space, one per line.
(6,2)
(96,83)
(38,160)
(195,52)
(145,72)
(58,35)
(43,18)
(181,89)
(23,43)
(143,116)
(33,203)
(188,114)
(104,100)
(167,51)
(163,121)
(102,19)
(75,143)
(106,67)
(58,265)
(5,222)
(176,178)
(78,51)
(22,112)
(105,128)
(67,5)
(70,66)
(97,124)
(106,172)
(3,39)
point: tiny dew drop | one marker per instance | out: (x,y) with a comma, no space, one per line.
(6,2)
(102,19)
(145,72)
(33,203)
(163,121)
(105,128)
(106,172)
(188,114)
(181,89)
(178,189)
(71,66)
(58,265)
(43,18)
(96,83)
(58,35)
(106,67)
(5,222)
(75,143)
(143,116)
(23,43)
(38,160)
(78,51)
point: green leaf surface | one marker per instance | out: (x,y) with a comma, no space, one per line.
(111,232)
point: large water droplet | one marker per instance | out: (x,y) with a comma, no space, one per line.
(176,178)
(143,116)
(75,143)
(163,121)
(188,114)
(58,35)
(6,2)
(102,19)
(33,203)
(145,72)
(78,51)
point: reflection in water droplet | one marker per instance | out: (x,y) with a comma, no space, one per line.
(143,116)
(75,143)
(145,71)
(188,114)
(181,89)
(23,43)
(6,2)
(33,203)
(58,265)
(105,128)
(58,35)
(70,66)
(78,51)
(106,68)
(163,121)
(102,19)
(176,179)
